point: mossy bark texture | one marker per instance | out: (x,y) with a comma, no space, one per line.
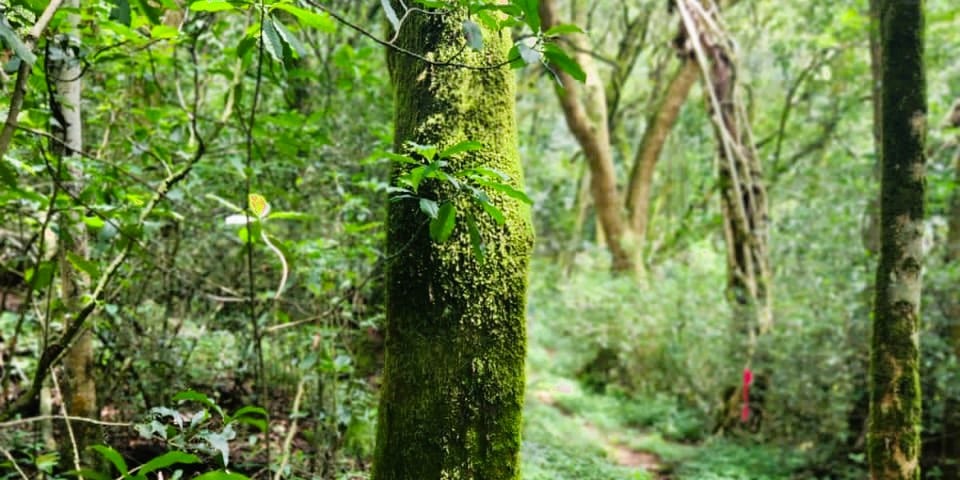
(452,392)
(893,444)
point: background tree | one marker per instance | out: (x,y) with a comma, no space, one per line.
(894,433)
(453,380)
(64,74)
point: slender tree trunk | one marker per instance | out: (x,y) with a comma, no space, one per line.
(79,387)
(455,343)
(953,222)
(947,443)
(585,110)
(743,203)
(870,230)
(648,153)
(893,442)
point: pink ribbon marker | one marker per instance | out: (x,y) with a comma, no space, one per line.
(747,380)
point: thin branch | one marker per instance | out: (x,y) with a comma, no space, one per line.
(20,89)
(55,350)
(288,441)
(6,453)
(41,418)
(63,411)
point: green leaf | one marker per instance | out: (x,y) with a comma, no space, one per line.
(289,216)
(121,12)
(245,45)
(7,175)
(414,177)
(320,21)
(425,151)
(473,34)
(194,396)
(41,277)
(508,191)
(429,207)
(467,146)
(531,12)
(485,173)
(557,58)
(94,222)
(494,212)
(396,157)
(252,415)
(476,242)
(562,29)
(516,58)
(167,459)
(113,457)
(13,41)
(250,410)
(83,265)
(47,461)
(271,41)
(211,6)
(290,39)
(442,227)
(163,31)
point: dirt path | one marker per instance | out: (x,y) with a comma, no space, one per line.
(620,454)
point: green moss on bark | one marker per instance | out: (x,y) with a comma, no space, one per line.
(453,383)
(893,445)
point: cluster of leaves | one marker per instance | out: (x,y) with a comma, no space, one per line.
(427,163)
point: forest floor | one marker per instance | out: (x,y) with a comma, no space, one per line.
(578,428)
(574,433)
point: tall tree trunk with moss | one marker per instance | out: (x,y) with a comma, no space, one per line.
(453,379)
(79,386)
(893,442)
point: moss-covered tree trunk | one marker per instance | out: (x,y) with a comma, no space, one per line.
(893,443)
(453,382)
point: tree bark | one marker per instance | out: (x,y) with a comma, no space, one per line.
(585,110)
(79,387)
(893,442)
(743,204)
(453,379)
(648,153)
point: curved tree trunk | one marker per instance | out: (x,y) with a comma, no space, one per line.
(585,110)
(455,342)
(893,442)
(648,153)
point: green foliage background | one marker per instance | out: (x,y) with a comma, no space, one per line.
(613,362)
